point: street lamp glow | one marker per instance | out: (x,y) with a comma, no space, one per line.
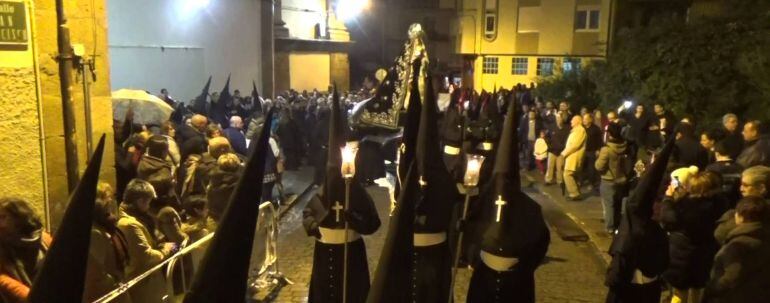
(349,9)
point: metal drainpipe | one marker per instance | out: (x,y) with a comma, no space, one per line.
(41,127)
(65,58)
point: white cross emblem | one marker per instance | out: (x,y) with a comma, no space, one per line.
(337,208)
(500,203)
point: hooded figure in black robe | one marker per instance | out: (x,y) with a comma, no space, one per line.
(221,275)
(639,249)
(218,110)
(199,104)
(452,136)
(416,260)
(61,278)
(516,238)
(433,210)
(324,219)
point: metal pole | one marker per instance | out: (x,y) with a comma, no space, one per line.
(87,105)
(65,79)
(345,253)
(458,247)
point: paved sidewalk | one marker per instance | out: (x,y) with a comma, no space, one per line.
(587,213)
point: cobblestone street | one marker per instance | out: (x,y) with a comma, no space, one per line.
(573,272)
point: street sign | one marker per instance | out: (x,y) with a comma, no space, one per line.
(14,34)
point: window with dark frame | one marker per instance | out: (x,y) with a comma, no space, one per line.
(545,66)
(587,19)
(490,65)
(519,66)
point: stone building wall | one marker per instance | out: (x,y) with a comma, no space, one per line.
(29,89)
(21,162)
(88,26)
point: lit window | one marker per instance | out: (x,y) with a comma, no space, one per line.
(587,19)
(545,66)
(519,66)
(571,64)
(490,65)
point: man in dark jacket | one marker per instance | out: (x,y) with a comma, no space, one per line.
(688,151)
(191,137)
(593,144)
(733,136)
(156,169)
(557,142)
(529,131)
(756,150)
(234,134)
(729,171)
(741,270)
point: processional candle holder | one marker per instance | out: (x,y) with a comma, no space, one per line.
(348,170)
(469,188)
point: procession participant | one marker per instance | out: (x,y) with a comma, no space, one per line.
(639,248)
(325,219)
(516,239)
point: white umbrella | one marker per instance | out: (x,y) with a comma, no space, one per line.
(148,109)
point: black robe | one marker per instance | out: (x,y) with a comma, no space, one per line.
(432,269)
(517,284)
(326,275)
(452,135)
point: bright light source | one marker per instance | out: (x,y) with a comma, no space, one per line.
(349,9)
(190,8)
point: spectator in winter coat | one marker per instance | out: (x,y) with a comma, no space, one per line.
(756,150)
(108,250)
(614,184)
(235,135)
(154,168)
(557,140)
(689,213)
(144,252)
(755,182)
(223,179)
(729,171)
(23,245)
(169,132)
(741,270)
(688,151)
(573,154)
(541,152)
(733,136)
(529,128)
(593,145)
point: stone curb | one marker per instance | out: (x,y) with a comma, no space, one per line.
(304,195)
(559,201)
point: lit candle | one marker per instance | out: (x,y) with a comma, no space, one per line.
(348,168)
(472,169)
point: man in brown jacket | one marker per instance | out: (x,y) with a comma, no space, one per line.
(573,157)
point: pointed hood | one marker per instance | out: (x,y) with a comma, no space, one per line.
(515,222)
(334,185)
(640,202)
(439,190)
(336,133)
(408,147)
(222,274)
(218,112)
(506,167)
(255,96)
(199,103)
(62,276)
(395,269)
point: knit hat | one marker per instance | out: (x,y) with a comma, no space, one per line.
(684,173)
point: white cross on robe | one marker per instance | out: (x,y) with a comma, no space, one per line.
(337,208)
(500,203)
